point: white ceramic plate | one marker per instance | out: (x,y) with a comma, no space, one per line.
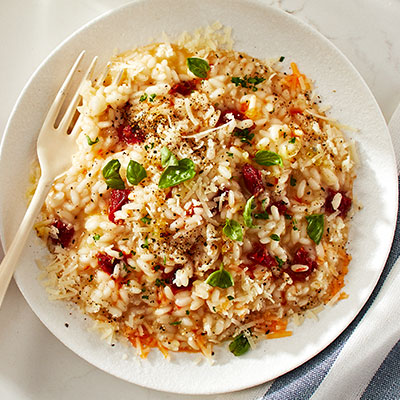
(263,32)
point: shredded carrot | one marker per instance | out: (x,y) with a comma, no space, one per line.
(279,334)
(296,79)
(163,349)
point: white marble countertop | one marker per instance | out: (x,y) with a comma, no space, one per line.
(33,363)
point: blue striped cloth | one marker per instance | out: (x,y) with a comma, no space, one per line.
(301,383)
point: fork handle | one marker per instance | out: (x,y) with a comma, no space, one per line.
(10,261)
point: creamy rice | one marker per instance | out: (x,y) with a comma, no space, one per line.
(261,201)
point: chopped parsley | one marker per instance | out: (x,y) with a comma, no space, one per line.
(244,135)
(145,297)
(152,97)
(263,215)
(145,245)
(230,297)
(275,237)
(279,261)
(250,82)
(293,181)
(146,220)
(160,282)
(143,97)
(281,59)
(90,141)
(292,140)
(229,154)
(96,237)
(175,323)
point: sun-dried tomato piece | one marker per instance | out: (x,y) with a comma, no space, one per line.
(131,134)
(345,203)
(106,262)
(295,110)
(302,257)
(184,87)
(65,233)
(223,119)
(168,279)
(252,179)
(259,255)
(118,198)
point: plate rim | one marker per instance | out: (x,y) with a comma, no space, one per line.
(259,3)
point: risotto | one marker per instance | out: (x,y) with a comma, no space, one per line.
(209,200)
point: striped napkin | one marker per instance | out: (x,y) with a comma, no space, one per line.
(364,361)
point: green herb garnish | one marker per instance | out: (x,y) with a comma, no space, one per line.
(198,66)
(292,140)
(279,261)
(233,230)
(244,135)
(315,227)
(229,154)
(96,237)
(248,220)
(145,297)
(143,97)
(268,158)
(293,181)
(263,215)
(145,245)
(221,278)
(176,174)
(146,220)
(240,345)
(168,158)
(250,82)
(112,176)
(152,97)
(135,172)
(230,297)
(281,58)
(175,323)
(90,141)
(275,237)
(160,282)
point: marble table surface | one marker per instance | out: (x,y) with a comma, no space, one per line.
(33,363)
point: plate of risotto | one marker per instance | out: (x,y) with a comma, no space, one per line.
(230,206)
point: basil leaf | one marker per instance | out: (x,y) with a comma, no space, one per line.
(268,158)
(221,278)
(315,227)
(240,345)
(90,141)
(112,176)
(198,66)
(135,172)
(176,174)
(248,220)
(233,230)
(168,158)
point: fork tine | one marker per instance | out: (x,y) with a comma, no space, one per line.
(103,76)
(58,102)
(118,78)
(69,114)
